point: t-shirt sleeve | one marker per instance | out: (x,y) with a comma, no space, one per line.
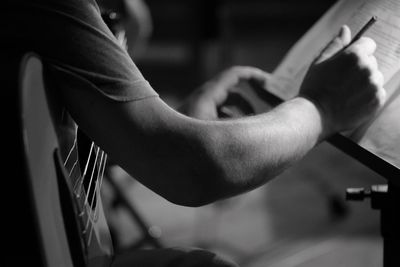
(71,38)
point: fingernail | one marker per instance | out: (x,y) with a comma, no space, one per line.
(341,32)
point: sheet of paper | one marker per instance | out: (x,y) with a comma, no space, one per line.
(381,135)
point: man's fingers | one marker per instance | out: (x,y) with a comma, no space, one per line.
(247,72)
(363,46)
(336,45)
(375,93)
(373,63)
(218,89)
(234,75)
(377,78)
(345,34)
(381,95)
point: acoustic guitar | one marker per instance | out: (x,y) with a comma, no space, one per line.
(65,172)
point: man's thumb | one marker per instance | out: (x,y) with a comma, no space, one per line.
(336,45)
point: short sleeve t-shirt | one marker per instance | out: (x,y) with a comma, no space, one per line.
(74,42)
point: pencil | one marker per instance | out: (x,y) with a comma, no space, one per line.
(364,29)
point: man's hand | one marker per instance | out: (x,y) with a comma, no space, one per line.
(204,102)
(345,83)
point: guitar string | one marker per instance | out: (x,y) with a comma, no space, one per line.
(91,177)
(92,226)
(99,179)
(96,213)
(93,212)
(80,181)
(90,215)
(87,162)
(90,183)
(102,172)
(84,209)
(75,164)
(81,187)
(70,151)
(99,183)
(73,168)
(97,209)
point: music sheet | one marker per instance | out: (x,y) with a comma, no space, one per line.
(381,135)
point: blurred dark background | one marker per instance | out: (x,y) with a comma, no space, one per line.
(193,39)
(300,218)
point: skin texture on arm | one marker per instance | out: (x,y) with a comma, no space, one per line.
(193,162)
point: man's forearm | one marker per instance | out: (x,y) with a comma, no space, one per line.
(254,150)
(202,161)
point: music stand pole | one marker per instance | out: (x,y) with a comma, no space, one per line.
(385,198)
(390,227)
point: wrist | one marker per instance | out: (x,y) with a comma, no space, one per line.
(320,115)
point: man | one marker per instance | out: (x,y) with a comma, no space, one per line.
(190,161)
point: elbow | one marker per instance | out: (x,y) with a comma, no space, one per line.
(197,191)
(191,202)
(209,188)
(198,182)
(194,197)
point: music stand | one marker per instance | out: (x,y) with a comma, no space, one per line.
(385,198)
